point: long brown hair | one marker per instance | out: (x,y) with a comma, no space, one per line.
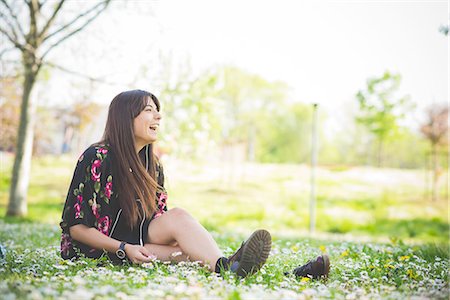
(132,178)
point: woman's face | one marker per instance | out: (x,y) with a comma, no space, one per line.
(146,125)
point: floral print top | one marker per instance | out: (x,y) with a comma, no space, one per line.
(92,199)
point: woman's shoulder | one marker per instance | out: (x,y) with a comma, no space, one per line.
(98,151)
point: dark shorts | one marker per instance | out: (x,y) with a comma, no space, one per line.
(137,236)
(145,230)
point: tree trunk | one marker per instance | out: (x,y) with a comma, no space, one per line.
(434,157)
(21,170)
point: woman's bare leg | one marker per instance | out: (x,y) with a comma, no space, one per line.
(193,240)
(167,252)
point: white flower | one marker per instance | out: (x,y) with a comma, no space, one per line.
(59,267)
(175,254)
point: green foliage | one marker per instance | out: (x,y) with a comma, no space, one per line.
(221,106)
(246,96)
(407,150)
(284,135)
(225,109)
(227,106)
(191,114)
(380,110)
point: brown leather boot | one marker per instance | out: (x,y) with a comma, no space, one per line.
(252,254)
(314,268)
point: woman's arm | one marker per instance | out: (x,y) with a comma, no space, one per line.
(94,238)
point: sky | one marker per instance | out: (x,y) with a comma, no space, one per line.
(324,50)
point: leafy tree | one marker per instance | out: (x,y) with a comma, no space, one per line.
(406,150)
(221,106)
(47,25)
(244,97)
(380,110)
(191,104)
(436,131)
(284,136)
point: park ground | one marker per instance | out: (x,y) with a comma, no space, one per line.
(384,235)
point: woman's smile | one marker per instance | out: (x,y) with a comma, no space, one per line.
(146,125)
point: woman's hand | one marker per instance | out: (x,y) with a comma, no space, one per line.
(94,238)
(138,254)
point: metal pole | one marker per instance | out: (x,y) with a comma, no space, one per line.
(312,201)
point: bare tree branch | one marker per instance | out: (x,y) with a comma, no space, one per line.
(31,65)
(12,40)
(34,9)
(51,19)
(14,16)
(93,79)
(41,4)
(11,27)
(105,3)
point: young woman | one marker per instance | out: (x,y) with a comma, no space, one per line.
(117,204)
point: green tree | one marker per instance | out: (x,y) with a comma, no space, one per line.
(47,25)
(247,99)
(285,134)
(221,106)
(380,109)
(406,150)
(192,108)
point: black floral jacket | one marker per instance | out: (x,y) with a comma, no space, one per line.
(92,199)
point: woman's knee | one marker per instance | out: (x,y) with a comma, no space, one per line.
(179,214)
(180,217)
(165,228)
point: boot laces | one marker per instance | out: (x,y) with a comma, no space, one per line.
(305,269)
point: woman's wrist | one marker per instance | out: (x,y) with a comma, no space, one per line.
(121,252)
(125,248)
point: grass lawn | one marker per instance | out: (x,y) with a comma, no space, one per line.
(32,269)
(384,238)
